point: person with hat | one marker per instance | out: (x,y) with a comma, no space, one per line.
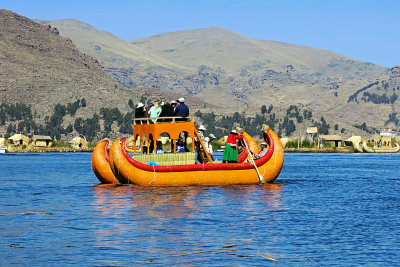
(182,110)
(197,138)
(230,150)
(139,111)
(262,152)
(201,130)
(208,145)
(167,111)
(173,105)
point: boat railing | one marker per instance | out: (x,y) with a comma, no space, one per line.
(152,120)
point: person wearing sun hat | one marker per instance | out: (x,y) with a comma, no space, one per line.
(201,130)
(139,111)
(230,150)
(173,104)
(209,147)
(263,151)
(182,112)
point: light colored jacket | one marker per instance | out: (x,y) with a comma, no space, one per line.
(261,153)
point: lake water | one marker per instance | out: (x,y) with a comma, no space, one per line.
(324,209)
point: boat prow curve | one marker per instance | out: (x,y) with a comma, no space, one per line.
(101,165)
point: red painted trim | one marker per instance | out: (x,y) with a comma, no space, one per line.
(200,167)
(243,156)
(106,151)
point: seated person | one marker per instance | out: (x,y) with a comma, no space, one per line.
(159,148)
(145,149)
(179,147)
(183,136)
(240,149)
(262,152)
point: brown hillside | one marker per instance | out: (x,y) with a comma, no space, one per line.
(41,68)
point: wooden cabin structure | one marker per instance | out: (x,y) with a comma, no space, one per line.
(176,128)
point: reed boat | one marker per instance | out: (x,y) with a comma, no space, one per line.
(100,164)
(180,169)
(377,149)
(384,143)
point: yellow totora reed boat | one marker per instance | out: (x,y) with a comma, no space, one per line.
(100,164)
(173,169)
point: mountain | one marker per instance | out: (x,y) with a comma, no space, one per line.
(40,68)
(214,68)
(212,58)
(377,104)
(235,73)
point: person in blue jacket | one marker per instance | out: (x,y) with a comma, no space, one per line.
(181,110)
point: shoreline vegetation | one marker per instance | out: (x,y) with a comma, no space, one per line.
(293,146)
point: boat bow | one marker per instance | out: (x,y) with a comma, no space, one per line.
(100,164)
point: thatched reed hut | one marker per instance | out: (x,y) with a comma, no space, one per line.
(78,142)
(19,140)
(331,138)
(42,141)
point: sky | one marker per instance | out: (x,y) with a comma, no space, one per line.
(363,29)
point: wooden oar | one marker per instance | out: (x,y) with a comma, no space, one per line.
(255,166)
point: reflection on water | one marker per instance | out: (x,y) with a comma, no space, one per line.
(180,220)
(177,202)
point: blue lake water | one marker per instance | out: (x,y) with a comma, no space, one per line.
(324,209)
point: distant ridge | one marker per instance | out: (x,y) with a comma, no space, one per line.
(178,60)
(237,73)
(215,69)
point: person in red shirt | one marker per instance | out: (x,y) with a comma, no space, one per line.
(230,151)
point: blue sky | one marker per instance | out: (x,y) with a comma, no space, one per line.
(362,29)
